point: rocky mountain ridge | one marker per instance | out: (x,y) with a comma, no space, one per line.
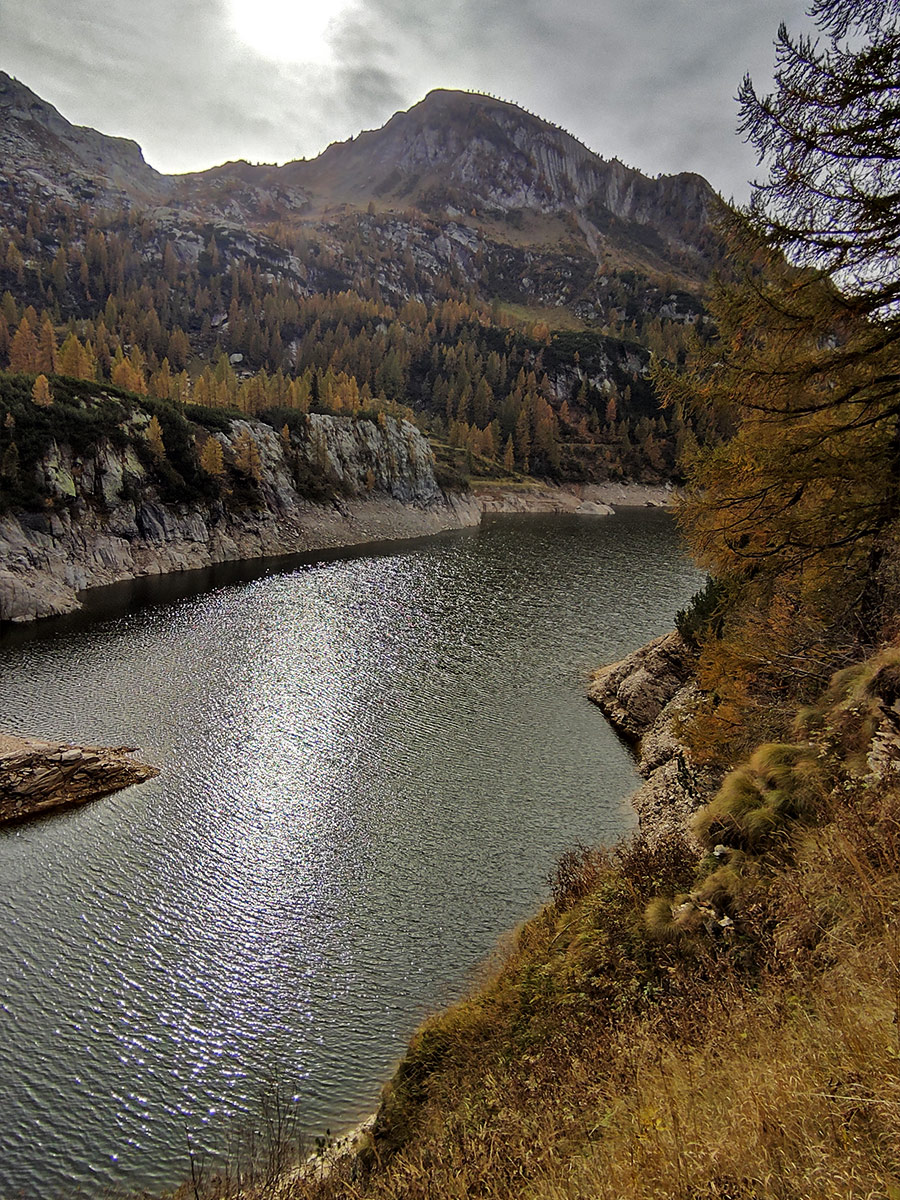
(73,162)
(482,152)
(464,174)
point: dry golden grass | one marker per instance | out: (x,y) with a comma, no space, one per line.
(777,1079)
(602,1062)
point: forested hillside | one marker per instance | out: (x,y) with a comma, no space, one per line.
(517,328)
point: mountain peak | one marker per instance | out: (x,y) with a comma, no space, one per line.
(72,160)
(450,100)
(470,152)
(455,156)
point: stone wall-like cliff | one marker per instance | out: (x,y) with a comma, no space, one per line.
(106,519)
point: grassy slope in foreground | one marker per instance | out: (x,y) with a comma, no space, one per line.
(745,1060)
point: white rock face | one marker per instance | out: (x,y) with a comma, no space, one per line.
(109,522)
(590,508)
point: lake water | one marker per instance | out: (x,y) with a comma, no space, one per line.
(369,767)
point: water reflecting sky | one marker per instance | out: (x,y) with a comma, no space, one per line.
(369,765)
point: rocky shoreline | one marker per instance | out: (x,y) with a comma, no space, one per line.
(44,564)
(36,775)
(645,696)
(106,520)
(595,499)
(47,559)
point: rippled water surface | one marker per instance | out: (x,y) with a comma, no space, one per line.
(369,766)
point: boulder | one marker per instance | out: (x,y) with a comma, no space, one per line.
(633,692)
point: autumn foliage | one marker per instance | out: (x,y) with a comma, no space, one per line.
(110,297)
(795,510)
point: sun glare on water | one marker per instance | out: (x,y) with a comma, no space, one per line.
(292,30)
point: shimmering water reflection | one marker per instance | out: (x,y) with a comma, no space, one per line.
(369,768)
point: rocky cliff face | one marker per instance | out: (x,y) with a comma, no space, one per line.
(495,156)
(107,521)
(645,696)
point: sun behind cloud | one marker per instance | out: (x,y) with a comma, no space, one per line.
(287,30)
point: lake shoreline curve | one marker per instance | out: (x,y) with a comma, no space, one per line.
(47,560)
(644,697)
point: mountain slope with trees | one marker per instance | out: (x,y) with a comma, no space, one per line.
(717,1017)
(469,264)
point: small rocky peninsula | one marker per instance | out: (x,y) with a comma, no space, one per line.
(38,775)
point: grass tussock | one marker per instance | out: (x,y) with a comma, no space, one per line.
(749,1054)
(759,802)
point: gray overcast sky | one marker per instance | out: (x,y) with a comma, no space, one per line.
(197,82)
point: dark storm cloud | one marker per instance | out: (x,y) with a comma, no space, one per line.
(648,81)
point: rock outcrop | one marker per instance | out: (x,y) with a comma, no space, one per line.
(107,521)
(646,696)
(36,776)
(634,691)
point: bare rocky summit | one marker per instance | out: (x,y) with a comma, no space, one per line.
(485,153)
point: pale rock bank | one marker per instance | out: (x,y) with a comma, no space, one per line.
(595,499)
(106,521)
(645,696)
